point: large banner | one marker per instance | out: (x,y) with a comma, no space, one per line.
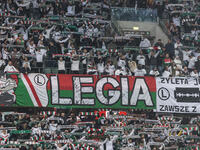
(178,95)
(78,91)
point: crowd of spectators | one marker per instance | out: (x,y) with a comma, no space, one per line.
(183,28)
(77,37)
(103,129)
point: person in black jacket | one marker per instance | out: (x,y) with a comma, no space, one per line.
(153,60)
(52,50)
(170,49)
(159,43)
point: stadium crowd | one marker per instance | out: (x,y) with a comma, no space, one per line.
(77,37)
(102,129)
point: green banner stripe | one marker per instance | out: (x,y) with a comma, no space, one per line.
(22,96)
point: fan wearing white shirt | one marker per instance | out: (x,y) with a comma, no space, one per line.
(57,35)
(178,62)
(26,62)
(61,40)
(177,46)
(191,63)
(166,72)
(100,67)
(145,43)
(31,47)
(195,33)
(84,60)
(141,59)
(5,53)
(35,129)
(25,33)
(81,29)
(176,21)
(71,9)
(61,66)
(75,65)
(10,68)
(122,62)
(39,59)
(119,71)
(103,45)
(23,4)
(154,72)
(42,47)
(131,143)
(177,71)
(53,126)
(84,2)
(194,74)
(59,146)
(196,53)
(2,63)
(185,71)
(186,54)
(47,32)
(139,71)
(108,143)
(90,30)
(109,68)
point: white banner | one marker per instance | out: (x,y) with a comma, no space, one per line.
(178,95)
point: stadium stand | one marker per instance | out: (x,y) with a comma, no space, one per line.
(92,39)
(86,40)
(99,129)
